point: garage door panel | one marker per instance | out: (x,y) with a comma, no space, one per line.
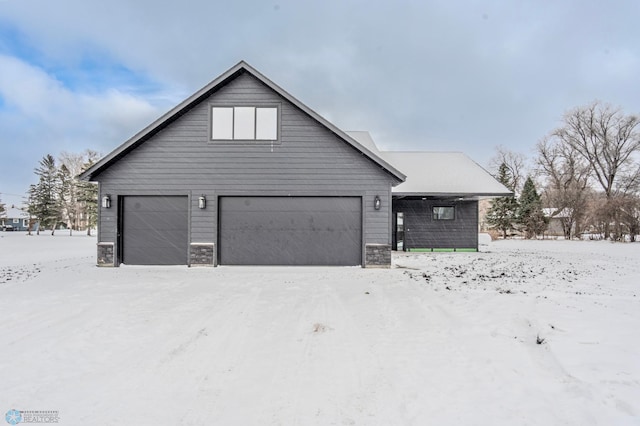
(290,231)
(155,238)
(155,230)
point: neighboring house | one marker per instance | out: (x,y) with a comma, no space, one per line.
(557,220)
(14,219)
(242,173)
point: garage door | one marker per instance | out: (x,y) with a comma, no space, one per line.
(290,231)
(154,230)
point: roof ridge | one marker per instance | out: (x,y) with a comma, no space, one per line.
(426,152)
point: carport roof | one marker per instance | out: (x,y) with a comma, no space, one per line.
(437,174)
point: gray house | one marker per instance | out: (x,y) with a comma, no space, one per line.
(242,173)
(14,219)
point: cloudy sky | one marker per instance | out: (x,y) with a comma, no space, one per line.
(419,75)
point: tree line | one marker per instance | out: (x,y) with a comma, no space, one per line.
(588,172)
(59,197)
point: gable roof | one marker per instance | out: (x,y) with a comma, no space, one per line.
(552,212)
(443,174)
(14,212)
(213,86)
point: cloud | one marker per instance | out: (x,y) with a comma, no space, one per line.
(48,104)
(39,115)
(419,75)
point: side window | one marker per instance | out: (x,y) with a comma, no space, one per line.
(444,213)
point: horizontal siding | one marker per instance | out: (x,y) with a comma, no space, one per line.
(308,159)
(421,231)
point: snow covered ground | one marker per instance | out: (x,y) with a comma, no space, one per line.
(441,339)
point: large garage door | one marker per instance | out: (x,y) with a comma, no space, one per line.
(154,230)
(290,231)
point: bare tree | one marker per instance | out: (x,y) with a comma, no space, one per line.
(79,198)
(88,193)
(67,197)
(630,215)
(515,164)
(607,139)
(70,168)
(566,176)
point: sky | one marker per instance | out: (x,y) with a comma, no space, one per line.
(466,76)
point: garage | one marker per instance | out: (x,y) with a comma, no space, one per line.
(154,230)
(265,180)
(290,231)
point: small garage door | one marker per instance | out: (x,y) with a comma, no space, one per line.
(154,230)
(290,231)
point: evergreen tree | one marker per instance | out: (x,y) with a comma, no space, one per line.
(30,207)
(502,214)
(529,214)
(2,209)
(44,197)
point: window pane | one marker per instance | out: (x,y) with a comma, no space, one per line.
(244,125)
(222,123)
(443,213)
(267,123)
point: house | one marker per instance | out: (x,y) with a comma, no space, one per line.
(14,219)
(559,220)
(242,173)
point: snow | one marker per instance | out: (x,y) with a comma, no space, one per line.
(443,338)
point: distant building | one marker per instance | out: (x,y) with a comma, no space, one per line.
(14,219)
(557,218)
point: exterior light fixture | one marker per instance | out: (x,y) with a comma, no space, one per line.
(106,201)
(377,203)
(202,202)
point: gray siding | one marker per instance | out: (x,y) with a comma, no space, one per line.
(308,159)
(421,231)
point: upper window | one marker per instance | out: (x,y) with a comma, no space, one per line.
(444,213)
(244,123)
